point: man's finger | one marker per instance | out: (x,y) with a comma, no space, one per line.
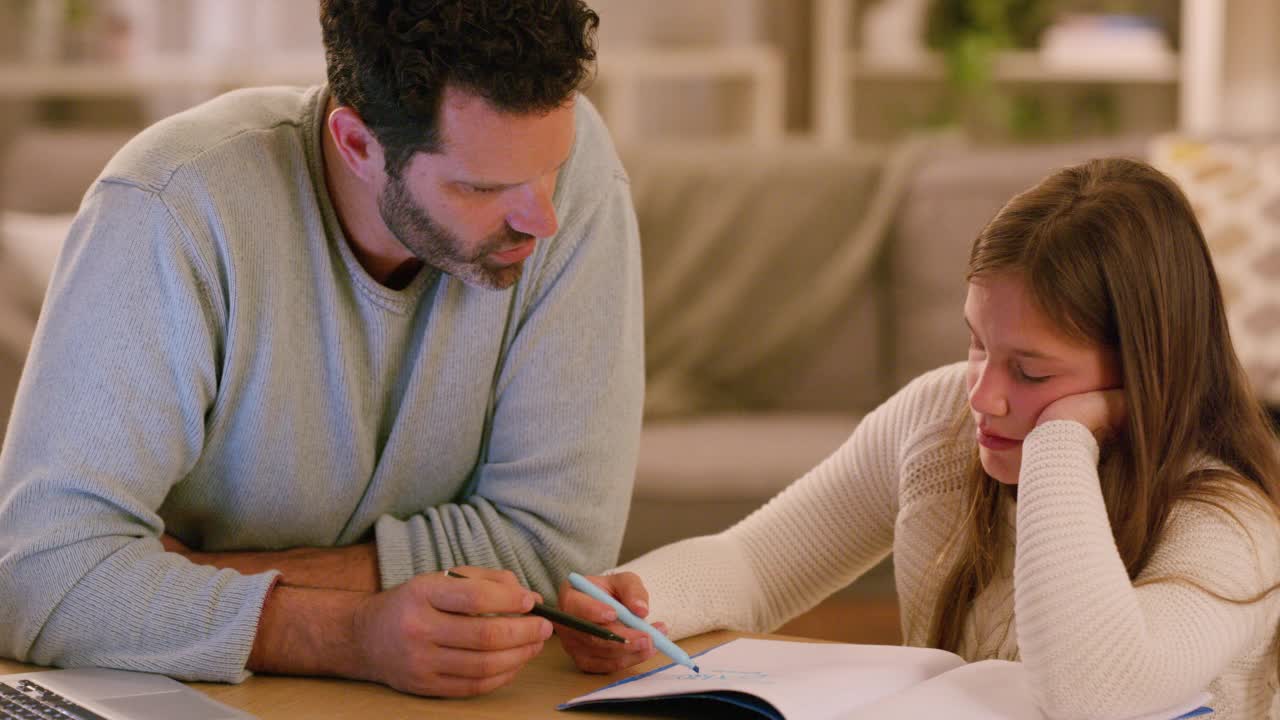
(478,664)
(506,577)
(491,633)
(476,596)
(452,686)
(174,545)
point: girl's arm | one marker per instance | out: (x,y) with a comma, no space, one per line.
(815,537)
(1093,645)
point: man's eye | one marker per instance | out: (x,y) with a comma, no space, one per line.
(481,189)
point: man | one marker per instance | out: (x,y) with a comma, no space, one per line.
(306,348)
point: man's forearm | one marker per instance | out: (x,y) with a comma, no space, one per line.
(308,631)
(353,568)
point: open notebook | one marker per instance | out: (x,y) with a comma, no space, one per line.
(816,681)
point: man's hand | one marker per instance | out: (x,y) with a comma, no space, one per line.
(353,567)
(433,635)
(174,545)
(597,655)
(1102,411)
(442,636)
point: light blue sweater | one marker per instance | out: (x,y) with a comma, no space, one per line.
(212,362)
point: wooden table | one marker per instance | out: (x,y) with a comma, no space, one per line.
(547,681)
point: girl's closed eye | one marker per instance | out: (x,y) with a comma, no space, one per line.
(1024,376)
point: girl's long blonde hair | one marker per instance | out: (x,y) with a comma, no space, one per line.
(1111,252)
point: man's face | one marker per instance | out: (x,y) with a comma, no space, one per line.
(476,209)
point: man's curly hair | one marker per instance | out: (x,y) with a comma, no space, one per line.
(390,60)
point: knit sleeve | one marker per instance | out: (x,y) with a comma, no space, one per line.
(1093,644)
(813,538)
(109,416)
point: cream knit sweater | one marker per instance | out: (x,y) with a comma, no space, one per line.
(1093,645)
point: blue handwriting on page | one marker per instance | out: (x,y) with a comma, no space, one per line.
(754,678)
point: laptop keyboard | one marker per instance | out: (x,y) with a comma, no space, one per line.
(26,700)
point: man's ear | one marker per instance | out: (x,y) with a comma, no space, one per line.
(357,146)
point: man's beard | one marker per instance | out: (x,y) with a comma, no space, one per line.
(436,246)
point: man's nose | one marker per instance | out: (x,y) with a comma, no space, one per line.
(535,214)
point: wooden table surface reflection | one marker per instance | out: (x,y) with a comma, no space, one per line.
(547,681)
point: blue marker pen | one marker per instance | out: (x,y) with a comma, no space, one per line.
(628,618)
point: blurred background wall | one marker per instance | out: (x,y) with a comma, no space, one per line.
(841,70)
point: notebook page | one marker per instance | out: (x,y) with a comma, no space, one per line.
(986,690)
(799,679)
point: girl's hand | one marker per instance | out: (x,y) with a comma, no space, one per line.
(1102,411)
(596,655)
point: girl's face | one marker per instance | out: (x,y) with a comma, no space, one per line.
(1019,363)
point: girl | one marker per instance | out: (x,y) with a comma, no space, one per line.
(1095,492)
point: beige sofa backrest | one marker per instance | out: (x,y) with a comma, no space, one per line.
(734,236)
(759,270)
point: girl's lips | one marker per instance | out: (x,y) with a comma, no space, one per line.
(996,442)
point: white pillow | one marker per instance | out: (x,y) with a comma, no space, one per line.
(1234,187)
(33,241)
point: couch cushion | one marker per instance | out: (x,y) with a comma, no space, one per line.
(1234,186)
(19,308)
(754,260)
(48,171)
(700,476)
(734,456)
(32,242)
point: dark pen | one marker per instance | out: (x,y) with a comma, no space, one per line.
(563,618)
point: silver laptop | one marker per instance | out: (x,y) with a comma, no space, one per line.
(98,694)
